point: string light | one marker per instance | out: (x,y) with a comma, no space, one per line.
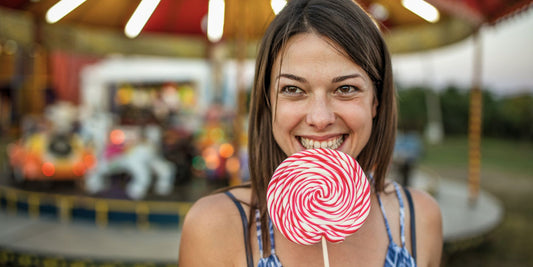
(215,20)
(61,9)
(423,9)
(140,17)
(277,5)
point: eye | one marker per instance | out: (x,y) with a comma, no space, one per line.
(291,91)
(346,90)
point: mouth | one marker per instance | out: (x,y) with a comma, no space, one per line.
(332,143)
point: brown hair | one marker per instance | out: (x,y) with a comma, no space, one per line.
(347,24)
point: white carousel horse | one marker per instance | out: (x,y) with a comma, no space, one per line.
(140,160)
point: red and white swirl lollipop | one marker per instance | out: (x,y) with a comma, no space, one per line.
(316,194)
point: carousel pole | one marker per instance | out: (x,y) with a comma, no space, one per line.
(240,50)
(475,124)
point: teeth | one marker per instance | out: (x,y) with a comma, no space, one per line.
(331,144)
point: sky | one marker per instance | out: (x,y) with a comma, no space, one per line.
(507,66)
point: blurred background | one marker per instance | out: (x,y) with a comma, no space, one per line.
(115,116)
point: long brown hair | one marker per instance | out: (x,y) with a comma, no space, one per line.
(348,25)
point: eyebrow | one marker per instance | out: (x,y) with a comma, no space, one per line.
(345,77)
(292,77)
(303,80)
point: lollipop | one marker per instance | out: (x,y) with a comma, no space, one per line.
(318,194)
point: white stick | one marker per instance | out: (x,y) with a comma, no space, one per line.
(325,252)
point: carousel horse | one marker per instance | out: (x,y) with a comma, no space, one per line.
(115,153)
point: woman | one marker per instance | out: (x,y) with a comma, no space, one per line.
(323,78)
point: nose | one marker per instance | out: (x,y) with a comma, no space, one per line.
(319,113)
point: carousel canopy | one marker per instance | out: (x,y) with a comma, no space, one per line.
(242,19)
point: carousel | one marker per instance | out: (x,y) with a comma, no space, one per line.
(118,115)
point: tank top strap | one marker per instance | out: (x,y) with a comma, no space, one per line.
(384,218)
(402,215)
(249,259)
(258,232)
(272,260)
(412,220)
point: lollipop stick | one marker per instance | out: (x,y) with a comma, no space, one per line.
(325,252)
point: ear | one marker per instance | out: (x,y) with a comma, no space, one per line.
(375,104)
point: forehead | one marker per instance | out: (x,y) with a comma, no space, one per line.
(306,46)
(313,55)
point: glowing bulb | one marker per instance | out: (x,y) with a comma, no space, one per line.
(215,20)
(233,165)
(379,11)
(117,137)
(48,169)
(211,159)
(422,9)
(277,5)
(61,9)
(140,17)
(226,150)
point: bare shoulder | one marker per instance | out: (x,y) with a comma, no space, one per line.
(428,228)
(212,232)
(425,203)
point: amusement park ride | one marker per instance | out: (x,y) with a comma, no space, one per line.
(49,149)
(55,152)
(156,126)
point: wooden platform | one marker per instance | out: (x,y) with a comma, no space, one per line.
(49,240)
(465,224)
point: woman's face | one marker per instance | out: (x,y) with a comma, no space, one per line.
(320,98)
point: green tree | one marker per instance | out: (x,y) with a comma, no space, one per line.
(412,110)
(455,110)
(517,113)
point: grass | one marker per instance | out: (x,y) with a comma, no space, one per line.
(507,173)
(499,155)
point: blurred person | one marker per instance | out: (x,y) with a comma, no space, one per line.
(323,73)
(407,153)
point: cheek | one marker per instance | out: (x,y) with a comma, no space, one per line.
(283,118)
(360,122)
(360,119)
(284,123)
